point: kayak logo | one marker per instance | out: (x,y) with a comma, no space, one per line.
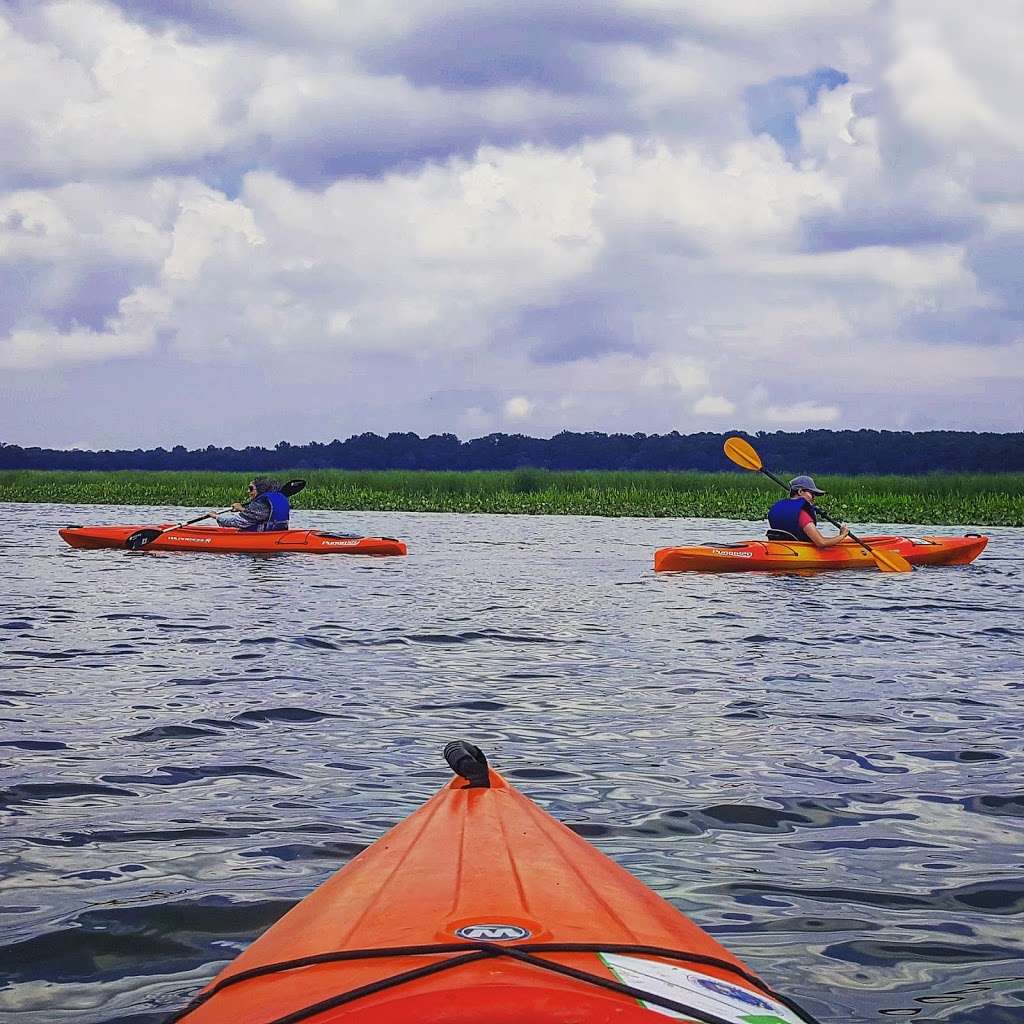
(493,932)
(733,554)
(199,540)
(740,995)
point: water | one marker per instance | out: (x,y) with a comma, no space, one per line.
(823,771)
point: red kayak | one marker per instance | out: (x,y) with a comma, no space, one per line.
(220,538)
(480,908)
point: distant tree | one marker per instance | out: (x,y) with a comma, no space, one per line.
(808,451)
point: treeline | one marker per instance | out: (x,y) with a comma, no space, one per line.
(819,451)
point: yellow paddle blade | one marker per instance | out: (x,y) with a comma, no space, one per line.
(890,561)
(742,454)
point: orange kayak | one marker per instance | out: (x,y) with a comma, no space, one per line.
(481,907)
(218,538)
(768,555)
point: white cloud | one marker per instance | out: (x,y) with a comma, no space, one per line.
(748,195)
(130,333)
(94,93)
(518,408)
(687,374)
(208,226)
(801,414)
(713,405)
(949,70)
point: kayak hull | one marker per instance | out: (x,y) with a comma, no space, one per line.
(224,539)
(491,879)
(790,556)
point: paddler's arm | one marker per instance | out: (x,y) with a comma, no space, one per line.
(242,517)
(821,541)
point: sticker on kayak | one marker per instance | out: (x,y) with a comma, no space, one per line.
(493,932)
(729,1002)
(732,554)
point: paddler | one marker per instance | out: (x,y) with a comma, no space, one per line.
(266,510)
(796,516)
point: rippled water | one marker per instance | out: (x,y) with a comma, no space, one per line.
(824,771)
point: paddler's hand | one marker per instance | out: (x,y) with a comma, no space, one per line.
(236,506)
(844,531)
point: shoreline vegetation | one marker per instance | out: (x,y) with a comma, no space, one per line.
(946,499)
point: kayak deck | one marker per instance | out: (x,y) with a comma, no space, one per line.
(225,539)
(481,907)
(789,556)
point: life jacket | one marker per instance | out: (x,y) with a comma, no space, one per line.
(279,511)
(785,515)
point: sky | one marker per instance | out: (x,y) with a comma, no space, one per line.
(239,222)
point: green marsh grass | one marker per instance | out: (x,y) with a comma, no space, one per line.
(950,499)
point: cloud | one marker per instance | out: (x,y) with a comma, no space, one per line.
(713,405)
(88,92)
(802,414)
(518,408)
(773,107)
(130,332)
(637,206)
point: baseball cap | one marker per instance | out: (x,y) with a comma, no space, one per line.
(804,483)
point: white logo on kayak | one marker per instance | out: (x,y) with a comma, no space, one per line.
(340,543)
(493,932)
(714,996)
(732,554)
(194,540)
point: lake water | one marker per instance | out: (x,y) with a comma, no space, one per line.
(825,772)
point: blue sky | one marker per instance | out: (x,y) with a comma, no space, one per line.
(243,222)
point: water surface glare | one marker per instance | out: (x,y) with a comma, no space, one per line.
(825,772)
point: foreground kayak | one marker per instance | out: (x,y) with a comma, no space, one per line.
(219,538)
(480,907)
(755,555)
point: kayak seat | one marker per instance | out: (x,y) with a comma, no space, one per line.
(781,535)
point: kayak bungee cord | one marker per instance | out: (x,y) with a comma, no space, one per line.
(484,950)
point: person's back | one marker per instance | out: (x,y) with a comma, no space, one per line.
(795,516)
(790,516)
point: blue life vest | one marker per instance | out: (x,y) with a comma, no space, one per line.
(785,515)
(279,511)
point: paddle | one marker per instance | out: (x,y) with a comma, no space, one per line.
(743,454)
(143,538)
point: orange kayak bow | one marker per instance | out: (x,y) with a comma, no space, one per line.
(481,907)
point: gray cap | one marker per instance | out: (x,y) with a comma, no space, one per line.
(804,483)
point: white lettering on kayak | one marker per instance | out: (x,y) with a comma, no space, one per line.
(191,540)
(493,932)
(340,543)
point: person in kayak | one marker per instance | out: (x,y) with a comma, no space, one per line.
(794,517)
(266,510)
